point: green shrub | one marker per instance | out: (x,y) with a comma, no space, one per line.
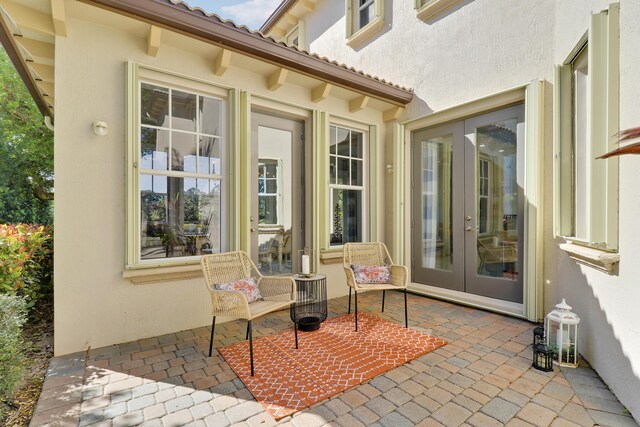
(26,261)
(13,311)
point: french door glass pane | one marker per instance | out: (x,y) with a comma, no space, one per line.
(179,216)
(436,199)
(497,199)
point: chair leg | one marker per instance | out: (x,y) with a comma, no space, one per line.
(251,346)
(295,325)
(247,335)
(356,297)
(383,300)
(406,317)
(349,310)
(213,328)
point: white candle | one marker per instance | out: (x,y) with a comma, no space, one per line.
(305,264)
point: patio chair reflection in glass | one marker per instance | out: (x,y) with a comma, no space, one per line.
(373,254)
(278,292)
(492,253)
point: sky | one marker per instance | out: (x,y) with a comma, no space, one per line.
(251,13)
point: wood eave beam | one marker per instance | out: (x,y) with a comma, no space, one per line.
(222,62)
(393,113)
(39,51)
(27,18)
(358,103)
(277,79)
(306,5)
(59,18)
(321,92)
(46,73)
(153,41)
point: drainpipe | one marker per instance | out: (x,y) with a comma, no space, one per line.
(47,123)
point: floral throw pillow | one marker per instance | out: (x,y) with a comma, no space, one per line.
(247,286)
(371,273)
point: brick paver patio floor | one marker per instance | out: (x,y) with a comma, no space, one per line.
(482,378)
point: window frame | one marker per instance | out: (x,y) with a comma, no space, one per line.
(602,41)
(357,35)
(138,74)
(277,194)
(363,223)
(428,9)
(300,28)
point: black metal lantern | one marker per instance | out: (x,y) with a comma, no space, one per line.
(538,335)
(542,358)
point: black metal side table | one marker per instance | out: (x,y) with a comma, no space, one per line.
(311,303)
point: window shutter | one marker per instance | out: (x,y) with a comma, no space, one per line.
(603,125)
(562,152)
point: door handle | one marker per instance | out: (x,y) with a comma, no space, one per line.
(253,230)
(469,228)
(468,218)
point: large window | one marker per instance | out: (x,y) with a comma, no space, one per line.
(346,186)
(364,19)
(586,121)
(179,172)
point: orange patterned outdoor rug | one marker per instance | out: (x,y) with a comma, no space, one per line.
(328,361)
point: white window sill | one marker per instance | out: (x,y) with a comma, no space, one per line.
(140,276)
(434,8)
(591,257)
(365,33)
(331,256)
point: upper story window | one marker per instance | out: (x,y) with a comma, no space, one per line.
(427,9)
(364,19)
(296,37)
(347,186)
(366,13)
(177,181)
(586,100)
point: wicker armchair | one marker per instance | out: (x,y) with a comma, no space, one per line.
(278,291)
(373,254)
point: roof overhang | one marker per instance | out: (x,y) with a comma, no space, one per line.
(180,18)
(273,19)
(29,28)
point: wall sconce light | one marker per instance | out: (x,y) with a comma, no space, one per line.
(100,128)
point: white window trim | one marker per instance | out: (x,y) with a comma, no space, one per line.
(322,123)
(169,268)
(356,37)
(602,234)
(365,187)
(302,40)
(426,10)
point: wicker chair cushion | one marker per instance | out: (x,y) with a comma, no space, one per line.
(371,273)
(247,286)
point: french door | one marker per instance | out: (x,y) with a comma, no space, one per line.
(467,205)
(277,146)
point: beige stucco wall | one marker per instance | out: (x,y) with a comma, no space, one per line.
(94,305)
(482,47)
